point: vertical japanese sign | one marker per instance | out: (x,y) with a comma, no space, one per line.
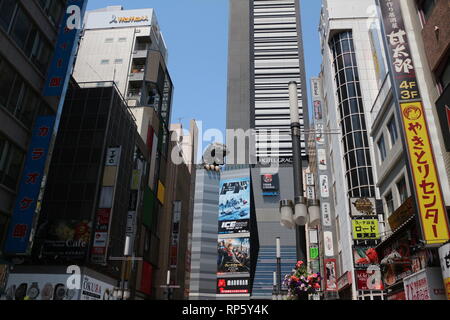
(424,176)
(17,241)
(105,208)
(60,68)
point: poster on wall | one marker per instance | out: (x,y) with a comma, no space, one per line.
(326,214)
(233,256)
(369,279)
(364,256)
(234,206)
(324,191)
(322,159)
(270,184)
(330,275)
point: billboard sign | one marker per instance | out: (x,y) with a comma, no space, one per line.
(234,206)
(423,171)
(365,229)
(233,256)
(426,284)
(362,207)
(67,239)
(364,256)
(18,238)
(330,275)
(233,285)
(270,184)
(37,286)
(369,279)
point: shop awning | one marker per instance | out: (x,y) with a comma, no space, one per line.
(396,232)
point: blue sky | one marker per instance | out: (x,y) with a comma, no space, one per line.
(196,33)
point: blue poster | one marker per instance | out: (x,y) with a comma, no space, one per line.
(234,199)
(24,210)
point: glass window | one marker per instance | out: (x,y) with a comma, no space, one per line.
(109,40)
(11,159)
(382,148)
(444,79)
(389,203)
(7,8)
(427,6)
(21,28)
(392,128)
(105,61)
(402,190)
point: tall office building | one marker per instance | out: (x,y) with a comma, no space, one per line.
(28,32)
(265,54)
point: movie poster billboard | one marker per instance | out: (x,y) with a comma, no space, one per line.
(234,206)
(233,256)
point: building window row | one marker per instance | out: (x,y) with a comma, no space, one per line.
(53,9)
(18,97)
(25,33)
(402,191)
(11,159)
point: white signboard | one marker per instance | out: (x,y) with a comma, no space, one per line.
(326,214)
(119,19)
(328,243)
(322,159)
(324,191)
(427,284)
(93,289)
(112,156)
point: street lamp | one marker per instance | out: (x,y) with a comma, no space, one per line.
(295,214)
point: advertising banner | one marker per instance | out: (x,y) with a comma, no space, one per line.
(364,256)
(322,159)
(23,215)
(423,172)
(444,257)
(234,206)
(369,279)
(433,215)
(396,261)
(326,214)
(426,284)
(328,243)
(66,45)
(233,285)
(365,229)
(330,275)
(362,207)
(270,184)
(324,191)
(36,286)
(67,239)
(233,256)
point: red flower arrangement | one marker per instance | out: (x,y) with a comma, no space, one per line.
(300,283)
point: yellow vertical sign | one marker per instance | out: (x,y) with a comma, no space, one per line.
(432,212)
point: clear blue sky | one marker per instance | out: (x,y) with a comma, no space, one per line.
(196,34)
